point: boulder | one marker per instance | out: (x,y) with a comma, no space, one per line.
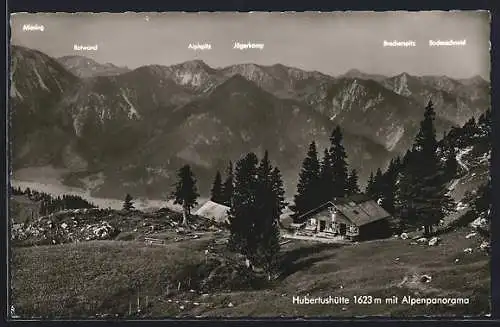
(484,245)
(470,235)
(425,279)
(434,241)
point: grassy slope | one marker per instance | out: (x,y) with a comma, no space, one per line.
(105,276)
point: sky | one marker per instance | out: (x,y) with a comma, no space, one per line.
(332,43)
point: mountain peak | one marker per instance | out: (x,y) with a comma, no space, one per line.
(356,73)
(353,71)
(236,84)
(403,74)
(476,79)
(194,64)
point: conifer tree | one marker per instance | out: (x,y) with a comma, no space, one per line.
(378,184)
(370,186)
(308,191)
(186,192)
(326,178)
(451,163)
(243,209)
(425,183)
(278,192)
(43,208)
(128,204)
(470,129)
(228,186)
(339,165)
(388,187)
(216,192)
(264,201)
(352,183)
(269,203)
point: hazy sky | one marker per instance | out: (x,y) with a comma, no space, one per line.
(328,42)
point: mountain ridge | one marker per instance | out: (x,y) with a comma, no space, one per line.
(114,119)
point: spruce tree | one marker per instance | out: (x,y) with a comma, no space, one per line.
(326,178)
(352,183)
(470,129)
(228,186)
(430,201)
(339,166)
(269,203)
(243,209)
(451,163)
(186,192)
(216,192)
(278,192)
(389,186)
(406,191)
(264,202)
(378,184)
(308,188)
(370,186)
(128,204)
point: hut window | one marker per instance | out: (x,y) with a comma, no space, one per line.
(353,229)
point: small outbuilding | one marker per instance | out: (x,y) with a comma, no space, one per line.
(214,211)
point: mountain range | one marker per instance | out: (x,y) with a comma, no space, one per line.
(136,127)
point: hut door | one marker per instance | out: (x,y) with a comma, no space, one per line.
(322,225)
(343,229)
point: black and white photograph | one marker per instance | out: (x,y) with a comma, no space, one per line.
(249,165)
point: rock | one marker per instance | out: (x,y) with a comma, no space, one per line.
(468,250)
(181,307)
(425,279)
(470,235)
(230,305)
(404,236)
(434,241)
(413,243)
(484,245)
(64,225)
(457,260)
(396,259)
(422,240)
(479,223)
(196,303)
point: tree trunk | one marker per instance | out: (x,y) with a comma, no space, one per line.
(427,230)
(184,217)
